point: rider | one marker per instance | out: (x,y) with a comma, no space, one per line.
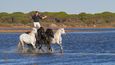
(36,19)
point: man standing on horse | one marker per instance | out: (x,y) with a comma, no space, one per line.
(36,19)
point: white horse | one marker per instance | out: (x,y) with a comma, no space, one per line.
(57,38)
(28,39)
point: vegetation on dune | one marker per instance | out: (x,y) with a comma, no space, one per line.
(61,18)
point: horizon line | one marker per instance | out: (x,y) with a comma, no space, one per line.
(58,11)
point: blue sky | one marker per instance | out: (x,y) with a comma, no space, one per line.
(69,6)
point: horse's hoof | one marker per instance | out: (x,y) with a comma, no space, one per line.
(50,49)
(39,47)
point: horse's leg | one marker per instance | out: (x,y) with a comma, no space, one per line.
(61,48)
(33,49)
(39,44)
(22,44)
(60,44)
(30,46)
(33,44)
(47,42)
(49,46)
(19,45)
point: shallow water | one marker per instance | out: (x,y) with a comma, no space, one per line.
(80,48)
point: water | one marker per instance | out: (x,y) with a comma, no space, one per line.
(80,48)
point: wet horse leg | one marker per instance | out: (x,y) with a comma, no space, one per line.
(33,44)
(30,46)
(61,48)
(41,42)
(49,46)
(60,44)
(22,44)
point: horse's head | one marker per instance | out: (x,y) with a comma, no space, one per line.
(62,30)
(34,30)
(50,32)
(41,32)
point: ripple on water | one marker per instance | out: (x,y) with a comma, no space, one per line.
(80,48)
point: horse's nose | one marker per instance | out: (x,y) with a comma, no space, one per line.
(64,33)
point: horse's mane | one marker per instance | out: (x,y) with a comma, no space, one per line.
(40,29)
(48,31)
(40,33)
(58,30)
(28,32)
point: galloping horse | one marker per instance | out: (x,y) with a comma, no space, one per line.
(49,35)
(57,38)
(44,38)
(27,39)
(40,37)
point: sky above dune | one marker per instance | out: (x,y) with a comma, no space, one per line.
(69,6)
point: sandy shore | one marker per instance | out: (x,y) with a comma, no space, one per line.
(25,28)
